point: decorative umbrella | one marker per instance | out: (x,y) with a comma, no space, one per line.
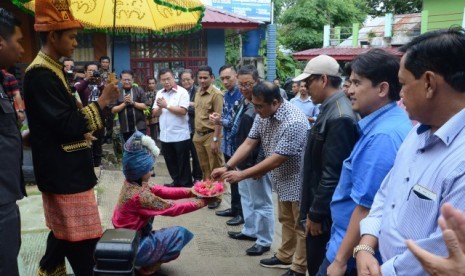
(162,17)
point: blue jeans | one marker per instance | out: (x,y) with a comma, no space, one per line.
(257,207)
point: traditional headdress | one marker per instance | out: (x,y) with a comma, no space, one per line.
(139,156)
(54,15)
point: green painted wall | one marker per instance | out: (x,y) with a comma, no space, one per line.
(444,13)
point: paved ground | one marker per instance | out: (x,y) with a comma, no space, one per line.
(211,252)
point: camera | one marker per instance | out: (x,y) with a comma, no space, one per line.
(95,74)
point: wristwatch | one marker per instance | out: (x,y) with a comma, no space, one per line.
(229,168)
(363,247)
(215,139)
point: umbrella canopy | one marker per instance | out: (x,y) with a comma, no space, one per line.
(134,16)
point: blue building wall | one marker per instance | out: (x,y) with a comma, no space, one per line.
(122,54)
(216,52)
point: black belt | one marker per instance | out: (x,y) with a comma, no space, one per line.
(202,133)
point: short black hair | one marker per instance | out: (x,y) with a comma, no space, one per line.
(43,36)
(440,51)
(226,66)
(297,82)
(249,69)
(68,59)
(8,23)
(187,71)
(206,68)
(89,64)
(164,71)
(152,78)
(126,72)
(379,66)
(268,91)
(103,58)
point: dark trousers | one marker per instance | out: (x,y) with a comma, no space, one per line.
(97,151)
(177,161)
(79,254)
(154,131)
(10,238)
(316,251)
(108,121)
(196,170)
(324,268)
(236,206)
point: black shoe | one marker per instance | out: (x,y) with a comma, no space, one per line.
(237,220)
(214,205)
(169,184)
(225,213)
(291,272)
(274,262)
(240,236)
(257,250)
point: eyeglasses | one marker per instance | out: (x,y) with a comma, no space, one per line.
(246,85)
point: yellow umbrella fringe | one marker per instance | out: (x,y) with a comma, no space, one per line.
(182,5)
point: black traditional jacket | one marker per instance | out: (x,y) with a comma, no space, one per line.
(62,157)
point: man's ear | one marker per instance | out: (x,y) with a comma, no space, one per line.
(383,89)
(431,84)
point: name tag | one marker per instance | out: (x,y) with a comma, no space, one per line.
(424,193)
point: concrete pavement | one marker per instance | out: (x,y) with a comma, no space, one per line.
(211,252)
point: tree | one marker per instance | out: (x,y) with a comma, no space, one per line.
(380,7)
(301,26)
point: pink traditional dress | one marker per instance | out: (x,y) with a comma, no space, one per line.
(137,205)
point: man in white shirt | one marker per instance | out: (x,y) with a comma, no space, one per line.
(171,104)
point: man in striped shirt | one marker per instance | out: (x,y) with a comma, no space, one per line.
(429,169)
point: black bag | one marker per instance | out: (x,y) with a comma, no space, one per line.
(115,252)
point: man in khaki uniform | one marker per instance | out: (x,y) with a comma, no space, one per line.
(207,136)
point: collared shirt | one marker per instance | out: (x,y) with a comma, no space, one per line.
(131,118)
(173,127)
(435,161)
(310,109)
(284,133)
(232,101)
(381,134)
(207,102)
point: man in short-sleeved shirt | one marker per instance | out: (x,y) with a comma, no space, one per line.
(171,105)
(281,129)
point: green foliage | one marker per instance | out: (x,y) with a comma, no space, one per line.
(232,49)
(301,25)
(285,66)
(381,7)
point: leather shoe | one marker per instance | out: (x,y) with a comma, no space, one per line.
(240,236)
(257,250)
(237,220)
(214,205)
(169,184)
(225,213)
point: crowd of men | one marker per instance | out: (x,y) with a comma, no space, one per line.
(354,178)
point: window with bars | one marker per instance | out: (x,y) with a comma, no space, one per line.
(149,54)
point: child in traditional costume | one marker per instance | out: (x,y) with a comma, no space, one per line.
(139,202)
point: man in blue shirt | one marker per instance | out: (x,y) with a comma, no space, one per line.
(429,166)
(373,93)
(304,102)
(231,105)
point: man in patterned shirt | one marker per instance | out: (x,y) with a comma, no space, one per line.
(281,129)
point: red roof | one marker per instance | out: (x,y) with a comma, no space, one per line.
(341,54)
(218,19)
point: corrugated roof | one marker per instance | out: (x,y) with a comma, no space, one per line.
(341,54)
(219,19)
